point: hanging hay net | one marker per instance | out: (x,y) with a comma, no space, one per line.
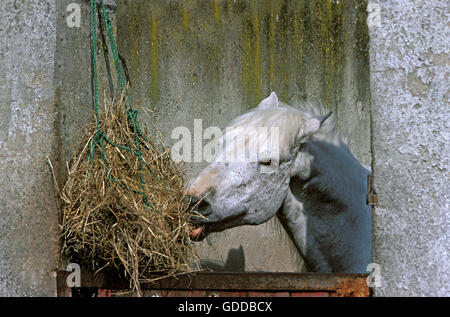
(123,203)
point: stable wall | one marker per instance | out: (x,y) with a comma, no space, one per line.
(45,99)
(214,60)
(410,101)
(28,116)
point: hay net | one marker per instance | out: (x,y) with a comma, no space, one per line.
(123,205)
(124,211)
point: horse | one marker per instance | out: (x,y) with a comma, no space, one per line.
(311,181)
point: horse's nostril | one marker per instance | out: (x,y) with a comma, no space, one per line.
(199,207)
(195,202)
(198,202)
(191,199)
(202,204)
(201,200)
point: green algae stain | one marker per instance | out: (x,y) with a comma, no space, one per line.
(284,45)
(185,16)
(257,51)
(133,41)
(229,8)
(247,78)
(217,11)
(271,44)
(299,39)
(252,56)
(329,19)
(154,58)
(284,28)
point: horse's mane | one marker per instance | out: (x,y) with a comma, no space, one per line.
(289,120)
(329,131)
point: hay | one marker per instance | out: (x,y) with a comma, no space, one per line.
(106,224)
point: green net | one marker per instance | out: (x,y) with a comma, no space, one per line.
(97,143)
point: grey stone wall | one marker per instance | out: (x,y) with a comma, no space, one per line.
(28,116)
(409,81)
(45,99)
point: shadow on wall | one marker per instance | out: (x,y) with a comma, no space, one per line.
(235,262)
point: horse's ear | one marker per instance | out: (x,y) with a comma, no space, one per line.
(271,101)
(310,127)
(324,117)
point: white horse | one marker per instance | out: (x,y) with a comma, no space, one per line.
(315,186)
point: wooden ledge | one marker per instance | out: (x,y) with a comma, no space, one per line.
(335,284)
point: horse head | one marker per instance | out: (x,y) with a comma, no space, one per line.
(249,179)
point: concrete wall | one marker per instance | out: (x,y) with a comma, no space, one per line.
(409,79)
(28,116)
(214,60)
(45,99)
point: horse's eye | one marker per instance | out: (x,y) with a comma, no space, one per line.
(266,162)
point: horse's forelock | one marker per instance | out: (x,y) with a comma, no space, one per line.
(285,119)
(288,120)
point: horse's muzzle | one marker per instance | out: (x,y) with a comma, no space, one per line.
(199,209)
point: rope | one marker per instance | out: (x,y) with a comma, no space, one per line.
(105,51)
(98,141)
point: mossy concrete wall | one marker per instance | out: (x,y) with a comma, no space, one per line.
(213,60)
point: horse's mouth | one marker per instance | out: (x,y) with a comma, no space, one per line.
(196,233)
(199,231)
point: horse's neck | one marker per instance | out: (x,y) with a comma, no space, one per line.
(325,214)
(295,222)
(335,175)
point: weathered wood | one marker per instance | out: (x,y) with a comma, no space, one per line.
(335,284)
